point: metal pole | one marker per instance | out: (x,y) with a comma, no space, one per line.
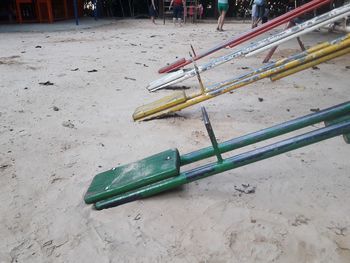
(272,51)
(197,73)
(254,32)
(310,64)
(268,133)
(255,47)
(211,135)
(131,12)
(149,111)
(121,6)
(75,2)
(228,164)
(181,75)
(331,18)
(320,53)
(95,8)
(285,64)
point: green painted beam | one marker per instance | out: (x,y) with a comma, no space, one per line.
(228,164)
(268,133)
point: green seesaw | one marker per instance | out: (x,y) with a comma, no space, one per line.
(161,172)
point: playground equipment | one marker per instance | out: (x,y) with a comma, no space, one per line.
(312,5)
(284,67)
(47,10)
(161,172)
(256,47)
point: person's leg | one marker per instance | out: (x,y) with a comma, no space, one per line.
(219,23)
(264,20)
(223,14)
(260,13)
(152,13)
(254,15)
(255,22)
(174,14)
(179,17)
(219,19)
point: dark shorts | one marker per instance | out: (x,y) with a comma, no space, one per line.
(151,11)
(177,11)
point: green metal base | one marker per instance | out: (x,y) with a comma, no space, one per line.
(134,175)
(346,136)
(161,172)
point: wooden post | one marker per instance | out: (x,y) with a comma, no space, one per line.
(18,10)
(65,9)
(38,11)
(50,11)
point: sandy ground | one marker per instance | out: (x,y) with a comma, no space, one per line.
(55,138)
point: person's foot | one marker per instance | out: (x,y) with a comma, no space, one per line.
(221,30)
(217,29)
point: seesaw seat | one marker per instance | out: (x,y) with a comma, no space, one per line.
(131,176)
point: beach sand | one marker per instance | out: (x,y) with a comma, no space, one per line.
(54,138)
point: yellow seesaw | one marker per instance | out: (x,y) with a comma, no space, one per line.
(276,70)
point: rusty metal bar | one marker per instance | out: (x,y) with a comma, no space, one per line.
(252,33)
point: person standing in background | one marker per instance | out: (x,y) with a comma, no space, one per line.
(191,12)
(258,10)
(265,17)
(200,10)
(152,11)
(179,6)
(222,8)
